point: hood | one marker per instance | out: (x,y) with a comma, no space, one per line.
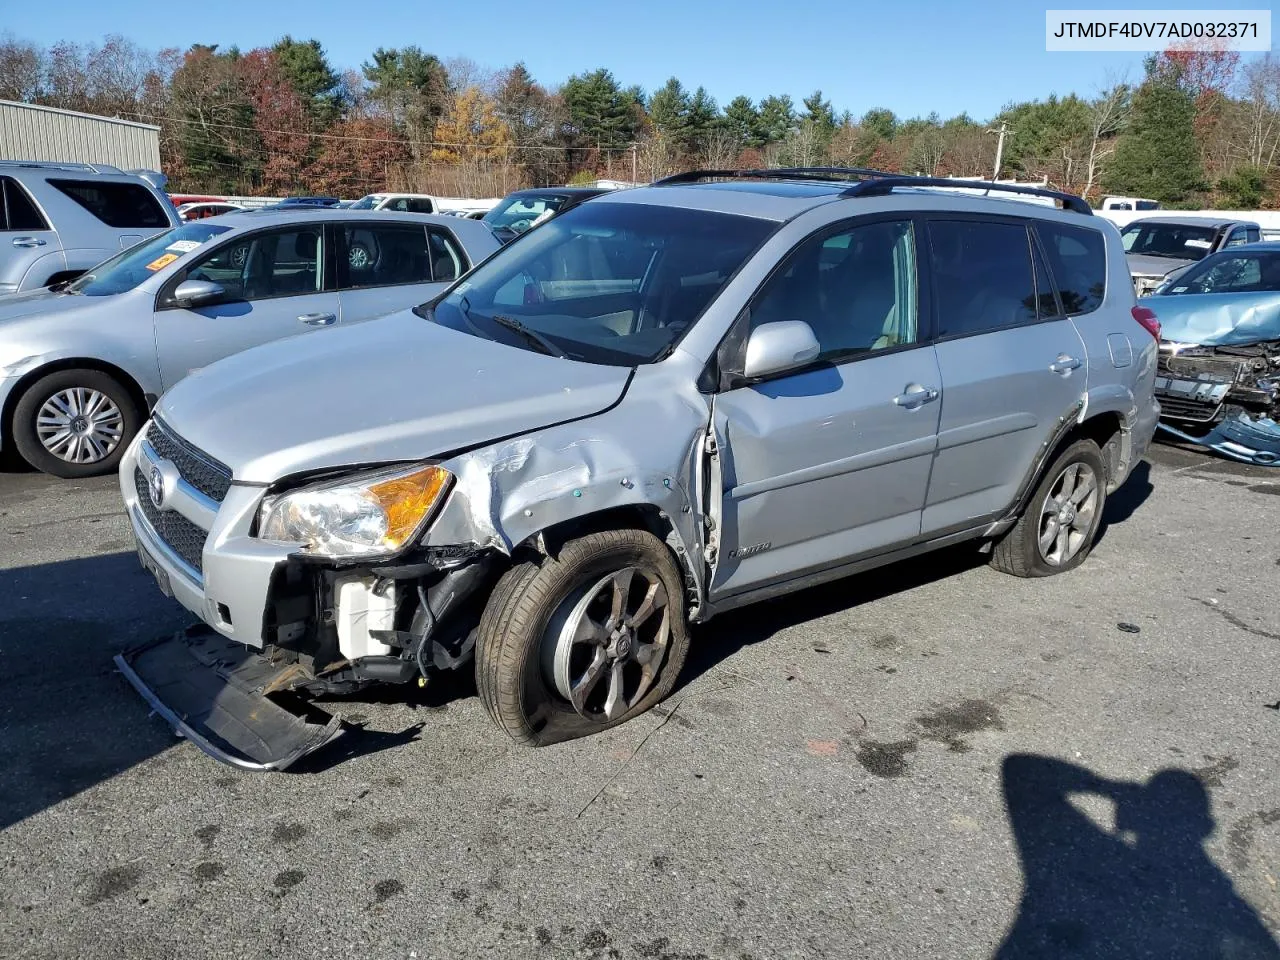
(399,388)
(14,306)
(1148,266)
(1217,319)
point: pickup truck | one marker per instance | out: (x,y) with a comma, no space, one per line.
(1159,248)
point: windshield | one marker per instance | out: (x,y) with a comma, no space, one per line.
(521,213)
(1177,241)
(613,283)
(1235,272)
(365,203)
(126,270)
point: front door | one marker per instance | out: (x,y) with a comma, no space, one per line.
(831,462)
(276,286)
(1012,367)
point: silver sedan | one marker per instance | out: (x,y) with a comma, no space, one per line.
(81,364)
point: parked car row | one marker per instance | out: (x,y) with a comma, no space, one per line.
(656,406)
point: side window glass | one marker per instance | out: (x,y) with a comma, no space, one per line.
(418,205)
(287,263)
(448,262)
(19,211)
(982,276)
(1046,303)
(121,205)
(856,289)
(1252,235)
(1078,260)
(385,254)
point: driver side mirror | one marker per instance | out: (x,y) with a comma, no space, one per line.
(196,293)
(778,347)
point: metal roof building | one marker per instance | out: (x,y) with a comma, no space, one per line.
(30,132)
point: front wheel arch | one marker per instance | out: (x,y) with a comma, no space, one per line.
(136,393)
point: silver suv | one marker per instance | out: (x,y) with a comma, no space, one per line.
(666,403)
(59,219)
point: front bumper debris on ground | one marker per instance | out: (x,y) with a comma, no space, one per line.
(226,699)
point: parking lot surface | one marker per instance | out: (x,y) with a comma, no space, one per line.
(932,760)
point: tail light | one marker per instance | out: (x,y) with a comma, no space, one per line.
(1150,322)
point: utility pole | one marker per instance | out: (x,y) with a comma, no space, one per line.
(634,152)
(1004,128)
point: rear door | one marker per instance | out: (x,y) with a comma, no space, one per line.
(388,266)
(30,252)
(832,462)
(1012,366)
(277,285)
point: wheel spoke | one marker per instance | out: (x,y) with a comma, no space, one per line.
(92,403)
(59,403)
(97,449)
(589,679)
(1088,483)
(621,583)
(590,631)
(58,442)
(1060,546)
(1049,535)
(655,598)
(615,704)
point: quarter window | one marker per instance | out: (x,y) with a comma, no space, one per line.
(982,276)
(18,211)
(123,205)
(1078,259)
(856,289)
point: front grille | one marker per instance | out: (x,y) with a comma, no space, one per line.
(206,474)
(1183,408)
(181,535)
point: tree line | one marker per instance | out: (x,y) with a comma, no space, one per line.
(1197,128)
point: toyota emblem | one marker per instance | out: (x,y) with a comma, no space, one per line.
(156,486)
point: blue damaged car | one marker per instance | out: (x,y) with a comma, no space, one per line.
(1218,380)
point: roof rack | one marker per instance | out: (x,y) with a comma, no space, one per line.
(875,183)
(54,165)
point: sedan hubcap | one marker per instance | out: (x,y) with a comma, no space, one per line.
(79,425)
(1067,516)
(607,643)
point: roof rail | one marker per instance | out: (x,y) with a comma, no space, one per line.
(779,173)
(55,165)
(871,183)
(884,185)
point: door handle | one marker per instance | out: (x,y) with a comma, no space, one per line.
(915,395)
(1064,364)
(28,242)
(317,319)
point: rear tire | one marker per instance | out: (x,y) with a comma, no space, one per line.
(75,423)
(1060,524)
(583,642)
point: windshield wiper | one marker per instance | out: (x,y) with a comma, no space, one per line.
(530,335)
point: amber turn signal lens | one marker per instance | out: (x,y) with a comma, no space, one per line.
(407,500)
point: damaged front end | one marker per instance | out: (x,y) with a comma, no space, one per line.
(1218,379)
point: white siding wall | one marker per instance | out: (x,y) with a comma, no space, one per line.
(28,132)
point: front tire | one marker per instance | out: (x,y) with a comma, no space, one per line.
(75,423)
(1060,524)
(583,642)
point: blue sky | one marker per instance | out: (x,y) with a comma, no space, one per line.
(908,55)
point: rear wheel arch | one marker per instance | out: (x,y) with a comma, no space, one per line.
(62,276)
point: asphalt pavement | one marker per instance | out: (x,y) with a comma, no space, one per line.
(931,760)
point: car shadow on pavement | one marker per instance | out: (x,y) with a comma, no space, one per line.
(1123,503)
(1128,878)
(68,720)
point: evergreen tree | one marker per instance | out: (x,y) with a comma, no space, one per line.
(1157,155)
(742,119)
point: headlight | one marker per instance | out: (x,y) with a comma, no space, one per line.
(373,514)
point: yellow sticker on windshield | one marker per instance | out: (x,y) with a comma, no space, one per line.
(159,263)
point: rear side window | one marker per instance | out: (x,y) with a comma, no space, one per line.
(19,210)
(123,205)
(1078,259)
(385,255)
(448,262)
(982,276)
